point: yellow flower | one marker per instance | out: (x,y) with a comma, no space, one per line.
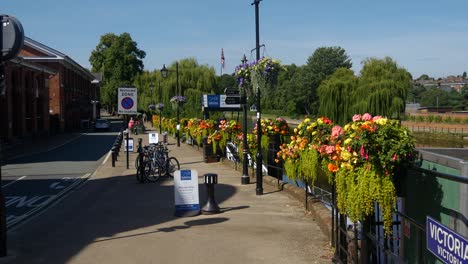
(345,155)
(314,133)
(295,130)
(307,120)
(348,141)
(381,121)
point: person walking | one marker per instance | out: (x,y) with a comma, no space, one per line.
(131,123)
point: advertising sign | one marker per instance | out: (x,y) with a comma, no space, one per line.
(127,101)
(153,138)
(445,244)
(186,193)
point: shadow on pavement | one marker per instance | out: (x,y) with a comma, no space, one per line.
(103,210)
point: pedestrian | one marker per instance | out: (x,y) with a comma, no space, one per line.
(144,117)
(131,123)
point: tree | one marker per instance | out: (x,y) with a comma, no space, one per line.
(424,77)
(383,88)
(464,75)
(225,81)
(120,61)
(335,93)
(435,97)
(323,63)
(194,80)
(415,92)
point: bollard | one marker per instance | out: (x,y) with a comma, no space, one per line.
(114,156)
(211,207)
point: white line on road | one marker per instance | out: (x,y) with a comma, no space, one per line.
(10,183)
(51,203)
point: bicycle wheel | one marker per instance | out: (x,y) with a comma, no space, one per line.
(154,172)
(172,165)
(137,161)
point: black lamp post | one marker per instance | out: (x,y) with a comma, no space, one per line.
(259,178)
(245,163)
(151,86)
(164,72)
(160,108)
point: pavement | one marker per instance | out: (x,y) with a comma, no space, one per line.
(114,219)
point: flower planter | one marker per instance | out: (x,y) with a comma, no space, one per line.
(208,155)
(274,169)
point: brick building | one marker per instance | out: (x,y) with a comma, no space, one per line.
(47,92)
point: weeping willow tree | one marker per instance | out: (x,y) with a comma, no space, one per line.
(383,88)
(194,80)
(334,96)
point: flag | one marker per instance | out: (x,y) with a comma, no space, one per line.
(222,58)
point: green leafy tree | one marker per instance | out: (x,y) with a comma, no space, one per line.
(194,80)
(383,88)
(414,94)
(225,81)
(335,93)
(120,61)
(323,63)
(286,91)
(435,97)
(424,77)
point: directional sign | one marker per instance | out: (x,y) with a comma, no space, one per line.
(230,100)
(220,102)
(231,91)
(444,243)
(127,101)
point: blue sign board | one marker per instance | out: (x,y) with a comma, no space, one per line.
(445,244)
(221,102)
(213,100)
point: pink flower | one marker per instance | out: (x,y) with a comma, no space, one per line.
(337,131)
(356,118)
(394,157)
(322,149)
(366,117)
(375,118)
(364,154)
(330,149)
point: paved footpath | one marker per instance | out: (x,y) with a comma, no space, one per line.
(114,219)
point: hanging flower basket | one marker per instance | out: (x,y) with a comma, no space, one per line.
(160,106)
(258,74)
(152,107)
(178,101)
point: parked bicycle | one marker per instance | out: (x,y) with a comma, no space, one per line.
(153,161)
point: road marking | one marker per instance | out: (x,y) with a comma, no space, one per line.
(37,210)
(107,157)
(10,183)
(56,186)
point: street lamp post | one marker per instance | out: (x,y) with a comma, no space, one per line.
(164,72)
(160,106)
(259,172)
(245,163)
(151,101)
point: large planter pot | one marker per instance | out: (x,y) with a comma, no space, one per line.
(274,169)
(208,155)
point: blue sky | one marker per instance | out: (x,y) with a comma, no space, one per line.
(424,37)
